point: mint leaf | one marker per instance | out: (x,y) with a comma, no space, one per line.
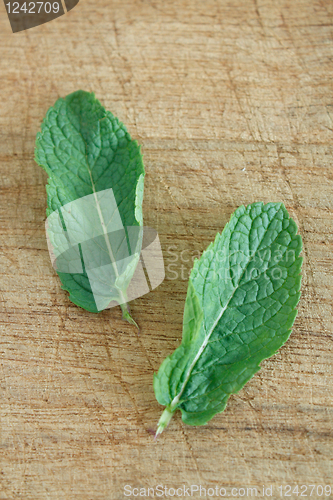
(95,187)
(240,307)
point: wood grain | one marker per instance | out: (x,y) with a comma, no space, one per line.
(232,103)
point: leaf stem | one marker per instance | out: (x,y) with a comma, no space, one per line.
(164,421)
(126,314)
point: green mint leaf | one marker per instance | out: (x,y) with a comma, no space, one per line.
(95,187)
(240,308)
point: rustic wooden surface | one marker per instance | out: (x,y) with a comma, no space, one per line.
(232,103)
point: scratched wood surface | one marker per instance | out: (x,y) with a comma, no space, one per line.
(232,103)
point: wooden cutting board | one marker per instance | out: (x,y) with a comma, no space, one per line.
(232,103)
